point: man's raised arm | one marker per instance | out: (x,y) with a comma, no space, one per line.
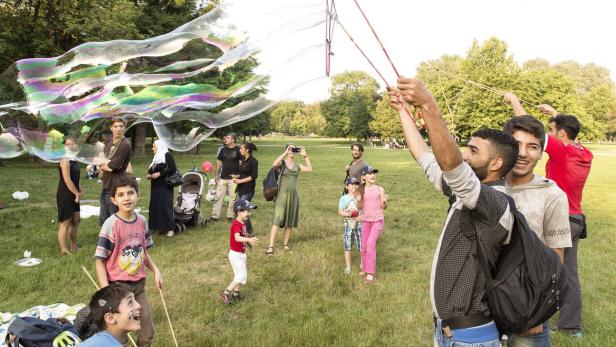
(444,146)
(518,110)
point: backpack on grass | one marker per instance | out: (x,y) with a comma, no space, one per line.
(528,283)
(34,332)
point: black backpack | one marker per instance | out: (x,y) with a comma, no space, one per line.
(527,285)
(34,332)
(272,181)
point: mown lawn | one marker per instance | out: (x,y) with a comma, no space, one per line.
(301,297)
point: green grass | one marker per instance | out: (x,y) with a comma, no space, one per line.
(301,297)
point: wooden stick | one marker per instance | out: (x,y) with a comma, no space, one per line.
(90,277)
(98,288)
(160,291)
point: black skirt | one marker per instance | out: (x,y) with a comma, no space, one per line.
(65,200)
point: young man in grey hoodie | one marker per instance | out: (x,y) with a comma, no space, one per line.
(541,201)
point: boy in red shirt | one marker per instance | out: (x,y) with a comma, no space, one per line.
(121,252)
(237,250)
(568,166)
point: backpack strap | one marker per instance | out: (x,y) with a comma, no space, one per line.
(469,228)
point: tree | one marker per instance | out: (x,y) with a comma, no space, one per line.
(282,115)
(348,110)
(385,123)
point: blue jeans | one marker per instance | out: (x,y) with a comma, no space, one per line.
(107,208)
(540,340)
(441,340)
(351,235)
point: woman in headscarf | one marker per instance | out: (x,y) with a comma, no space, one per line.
(161,196)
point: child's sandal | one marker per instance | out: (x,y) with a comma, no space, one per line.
(286,247)
(270,250)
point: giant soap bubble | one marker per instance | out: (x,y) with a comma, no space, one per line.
(224,67)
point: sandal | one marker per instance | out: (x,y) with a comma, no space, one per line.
(270,250)
(286,247)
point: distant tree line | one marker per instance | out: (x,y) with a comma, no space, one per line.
(356,108)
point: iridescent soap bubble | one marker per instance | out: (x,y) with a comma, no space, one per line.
(224,67)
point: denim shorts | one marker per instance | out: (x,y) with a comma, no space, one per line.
(351,235)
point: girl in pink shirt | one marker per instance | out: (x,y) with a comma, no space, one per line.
(372,202)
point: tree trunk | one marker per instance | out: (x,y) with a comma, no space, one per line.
(141,131)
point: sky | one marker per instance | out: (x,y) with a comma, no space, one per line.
(416,31)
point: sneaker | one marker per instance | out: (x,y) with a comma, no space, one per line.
(229,219)
(170,233)
(237,295)
(226,297)
(211,219)
(347,271)
(369,279)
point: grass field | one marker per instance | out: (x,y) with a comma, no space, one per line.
(301,297)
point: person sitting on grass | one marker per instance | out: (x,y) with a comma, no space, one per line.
(237,250)
(347,208)
(115,312)
(121,254)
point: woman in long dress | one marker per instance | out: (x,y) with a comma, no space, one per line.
(286,209)
(67,199)
(161,196)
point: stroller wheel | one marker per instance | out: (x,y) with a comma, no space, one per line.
(178,228)
(183,227)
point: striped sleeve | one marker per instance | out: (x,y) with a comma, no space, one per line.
(149,242)
(106,241)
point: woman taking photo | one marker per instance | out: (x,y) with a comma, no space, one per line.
(286,209)
(67,198)
(161,196)
(245,181)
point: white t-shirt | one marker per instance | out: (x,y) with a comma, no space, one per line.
(546,210)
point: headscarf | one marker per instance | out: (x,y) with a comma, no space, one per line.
(162,149)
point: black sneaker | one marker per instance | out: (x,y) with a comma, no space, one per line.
(237,296)
(226,297)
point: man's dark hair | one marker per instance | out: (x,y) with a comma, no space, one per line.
(124,181)
(528,124)
(117,120)
(503,146)
(359,146)
(568,123)
(106,300)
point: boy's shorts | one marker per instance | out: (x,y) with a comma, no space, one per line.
(350,235)
(238,263)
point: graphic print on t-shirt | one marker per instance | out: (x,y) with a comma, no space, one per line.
(132,257)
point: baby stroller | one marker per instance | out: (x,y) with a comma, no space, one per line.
(186,209)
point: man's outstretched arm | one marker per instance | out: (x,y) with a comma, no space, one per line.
(444,146)
(518,110)
(414,140)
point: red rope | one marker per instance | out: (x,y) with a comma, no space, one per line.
(377,38)
(362,52)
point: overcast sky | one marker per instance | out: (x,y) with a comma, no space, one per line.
(415,31)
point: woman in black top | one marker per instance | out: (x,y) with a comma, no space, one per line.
(161,197)
(248,172)
(67,199)
(247,177)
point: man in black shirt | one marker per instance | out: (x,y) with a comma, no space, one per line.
(227,164)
